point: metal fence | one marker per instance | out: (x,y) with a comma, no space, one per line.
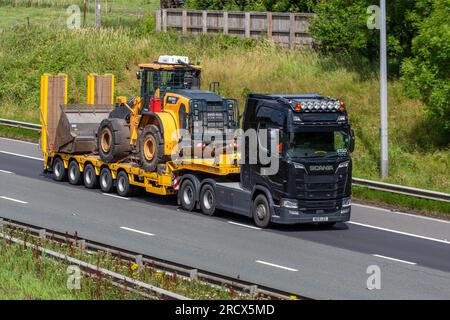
(285,29)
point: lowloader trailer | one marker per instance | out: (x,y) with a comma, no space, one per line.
(312,183)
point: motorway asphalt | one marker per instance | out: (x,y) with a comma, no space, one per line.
(412,252)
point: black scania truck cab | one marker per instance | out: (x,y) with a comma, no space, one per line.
(312,180)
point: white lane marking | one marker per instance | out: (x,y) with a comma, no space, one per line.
(137,231)
(20,141)
(393,259)
(14,200)
(243,225)
(399,232)
(20,155)
(115,196)
(7,172)
(401,213)
(276,265)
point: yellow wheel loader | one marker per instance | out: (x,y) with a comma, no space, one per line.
(147,128)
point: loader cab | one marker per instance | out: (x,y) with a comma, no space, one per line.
(165,75)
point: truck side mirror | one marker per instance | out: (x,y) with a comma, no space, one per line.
(352,140)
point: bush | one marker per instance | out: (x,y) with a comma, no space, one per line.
(427,74)
(341,28)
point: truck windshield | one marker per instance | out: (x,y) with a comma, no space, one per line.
(318,144)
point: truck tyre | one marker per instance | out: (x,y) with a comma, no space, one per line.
(74,173)
(261,211)
(123,187)
(59,172)
(106,181)
(90,177)
(113,140)
(187,195)
(151,148)
(208,200)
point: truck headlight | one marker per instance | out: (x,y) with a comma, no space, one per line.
(289,203)
(346,202)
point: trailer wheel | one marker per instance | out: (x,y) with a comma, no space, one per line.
(59,172)
(106,181)
(261,211)
(74,174)
(113,140)
(90,178)
(187,195)
(208,200)
(123,187)
(151,148)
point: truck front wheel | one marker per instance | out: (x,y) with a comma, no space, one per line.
(261,211)
(208,200)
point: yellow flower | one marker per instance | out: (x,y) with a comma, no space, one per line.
(134,266)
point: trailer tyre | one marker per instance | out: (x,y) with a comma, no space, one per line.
(59,172)
(208,200)
(187,195)
(90,177)
(123,187)
(113,140)
(261,211)
(106,181)
(151,148)
(74,173)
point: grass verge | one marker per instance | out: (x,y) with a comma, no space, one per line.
(438,209)
(19,134)
(25,273)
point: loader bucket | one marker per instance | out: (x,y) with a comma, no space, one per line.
(77,127)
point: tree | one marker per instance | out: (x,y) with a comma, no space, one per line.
(427,74)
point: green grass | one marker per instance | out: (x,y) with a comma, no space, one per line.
(401,202)
(419,153)
(19,133)
(26,274)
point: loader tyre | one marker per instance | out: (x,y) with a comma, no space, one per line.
(113,140)
(151,148)
(59,172)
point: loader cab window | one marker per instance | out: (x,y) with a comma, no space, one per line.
(169,79)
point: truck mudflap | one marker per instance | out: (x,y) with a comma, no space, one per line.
(289,216)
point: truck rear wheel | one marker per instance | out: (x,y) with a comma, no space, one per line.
(151,148)
(187,195)
(90,177)
(208,200)
(74,173)
(113,140)
(59,172)
(106,181)
(261,211)
(123,188)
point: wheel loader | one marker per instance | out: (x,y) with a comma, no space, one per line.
(147,128)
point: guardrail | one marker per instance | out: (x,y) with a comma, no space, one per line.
(20,124)
(168,267)
(375,185)
(409,191)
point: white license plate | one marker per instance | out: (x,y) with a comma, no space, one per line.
(320,219)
